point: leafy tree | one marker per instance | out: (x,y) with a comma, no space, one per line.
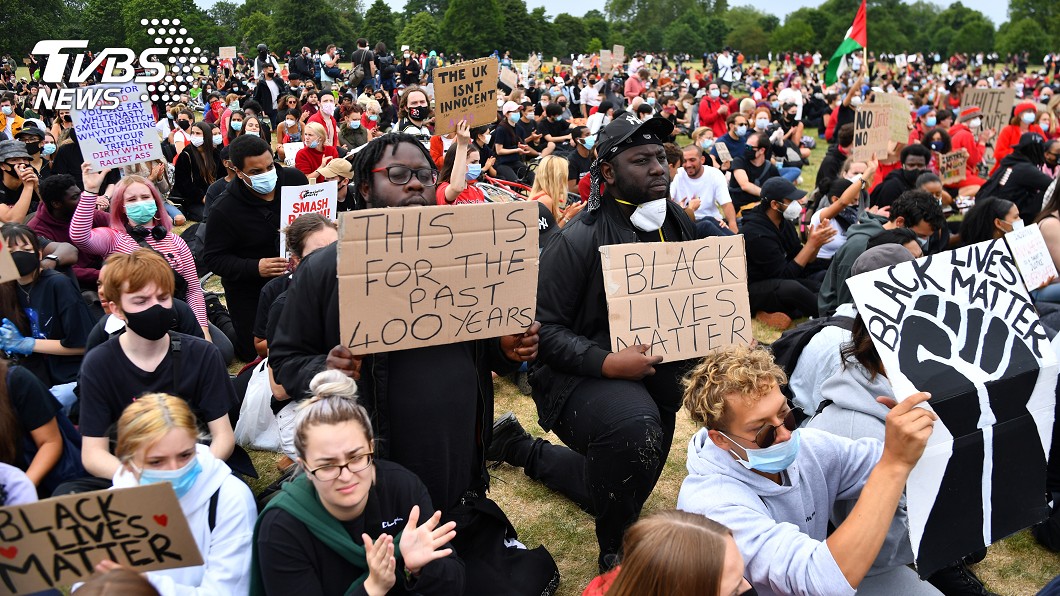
(594,46)
(250,7)
(543,39)
(379,25)
(794,35)
(421,32)
(1044,12)
(748,38)
(680,37)
(223,14)
(1022,35)
(257,28)
(596,24)
(318,25)
(715,29)
(104,19)
(436,8)
(469,26)
(975,36)
(517,35)
(571,30)
(769,23)
(25,23)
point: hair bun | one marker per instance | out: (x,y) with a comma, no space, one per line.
(333,383)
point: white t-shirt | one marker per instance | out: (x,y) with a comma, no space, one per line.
(725,68)
(710,187)
(828,250)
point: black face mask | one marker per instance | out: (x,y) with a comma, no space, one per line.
(749,153)
(33,148)
(183,124)
(419,113)
(152,323)
(26,262)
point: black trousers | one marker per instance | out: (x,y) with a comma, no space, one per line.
(618,436)
(793,297)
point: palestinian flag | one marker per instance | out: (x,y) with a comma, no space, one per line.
(856,41)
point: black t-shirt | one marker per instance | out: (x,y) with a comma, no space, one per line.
(546,226)
(556,128)
(504,137)
(578,166)
(410,73)
(110,382)
(61,313)
(756,174)
(185,322)
(525,129)
(274,288)
(366,59)
(34,405)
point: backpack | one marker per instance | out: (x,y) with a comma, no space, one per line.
(386,65)
(789,347)
(357,72)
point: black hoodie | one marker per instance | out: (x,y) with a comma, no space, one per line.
(894,185)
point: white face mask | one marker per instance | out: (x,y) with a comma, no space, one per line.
(792,211)
(855,101)
(649,216)
(197,141)
(1016,225)
(975,123)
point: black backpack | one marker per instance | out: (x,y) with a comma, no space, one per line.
(789,347)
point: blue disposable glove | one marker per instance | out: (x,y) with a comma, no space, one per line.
(12,340)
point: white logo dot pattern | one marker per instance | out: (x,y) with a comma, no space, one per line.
(179,73)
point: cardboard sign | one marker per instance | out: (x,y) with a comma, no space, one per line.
(900,119)
(899,60)
(723,151)
(58,541)
(683,299)
(872,130)
(953,167)
(426,276)
(619,54)
(465,92)
(123,136)
(290,151)
(8,271)
(226,52)
(534,64)
(607,61)
(961,326)
(509,78)
(1032,256)
(996,105)
(320,198)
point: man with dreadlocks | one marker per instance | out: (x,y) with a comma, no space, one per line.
(615,410)
(431,407)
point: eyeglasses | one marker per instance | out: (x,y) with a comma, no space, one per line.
(357,463)
(767,435)
(400,175)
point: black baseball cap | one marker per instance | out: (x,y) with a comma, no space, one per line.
(778,189)
(627,131)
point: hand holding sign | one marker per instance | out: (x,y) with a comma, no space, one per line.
(631,363)
(522,347)
(341,359)
(93,180)
(272,267)
(908,428)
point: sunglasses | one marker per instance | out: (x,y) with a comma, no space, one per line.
(767,435)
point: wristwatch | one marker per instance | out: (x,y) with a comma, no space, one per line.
(54,258)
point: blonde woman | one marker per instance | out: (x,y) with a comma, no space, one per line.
(158,441)
(316,151)
(550,189)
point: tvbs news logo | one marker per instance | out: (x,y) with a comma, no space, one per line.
(165,71)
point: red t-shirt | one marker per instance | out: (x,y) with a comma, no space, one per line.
(470,195)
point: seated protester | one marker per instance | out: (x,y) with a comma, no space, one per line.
(765,495)
(842,205)
(351,134)
(341,171)
(414,112)
(59,199)
(315,152)
(674,552)
(197,166)
(1019,177)
(137,220)
(914,160)
(508,144)
(15,487)
(645,111)
(970,119)
(329,530)
(147,359)
(37,437)
(696,181)
(581,158)
(325,118)
(48,331)
(834,158)
(481,139)
(242,240)
(290,129)
(158,442)
(215,190)
(750,170)
(783,275)
(735,139)
(18,182)
(306,233)
(915,209)
(555,130)
(549,190)
(461,169)
(253,111)
(601,118)
(989,219)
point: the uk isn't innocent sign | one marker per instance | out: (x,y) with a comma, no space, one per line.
(59,541)
(466,91)
(122,136)
(425,276)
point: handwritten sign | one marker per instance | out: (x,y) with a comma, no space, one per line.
(320,198)
(683,299)
(898,124)
(619,54)
(465,92)
(953,167)
(58,541)
(8,271)
(226,52)
(996,105)
(509,78)
(1032,256)
(961,326)
(123,136)
(607,61)
(534,64)
(290,151)
(723,151)
(871,131)
(425,276)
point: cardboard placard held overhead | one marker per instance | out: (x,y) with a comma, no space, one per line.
(123,136)
(426,276)
(1032,256)
(683,299)
(900,117)
(607,61)
(226,52)
(58,541)
(619,54)
(509,78)
(465,91)
(961,326)
(996,105)
(533,65)
(871,131)
(311,198)
(953,166)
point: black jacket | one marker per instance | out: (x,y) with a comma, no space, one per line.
(263,95)
(244,229)
(309,328)
(1019,181)
(893,185)
(572,305)
(302,66)
(770,250)
(829,170)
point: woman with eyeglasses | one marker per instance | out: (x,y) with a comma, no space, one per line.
(158,441)
(348,523)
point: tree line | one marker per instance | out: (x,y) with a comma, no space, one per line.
(478,27)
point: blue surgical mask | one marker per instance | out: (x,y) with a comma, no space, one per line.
(775,105)
(355,124)
(217,140)
(141,212)
(1043,125)
(474,170)
(48,148)
(715,93)
(651,101)
(237,125)
(513,117)
(1029,117)
(374,117)
(588,142)
(706,143)
(741,130)
(931,121)
(182,479)
(773,459)
(263,183)
(312,144)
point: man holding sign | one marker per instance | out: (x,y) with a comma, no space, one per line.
(615,410)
